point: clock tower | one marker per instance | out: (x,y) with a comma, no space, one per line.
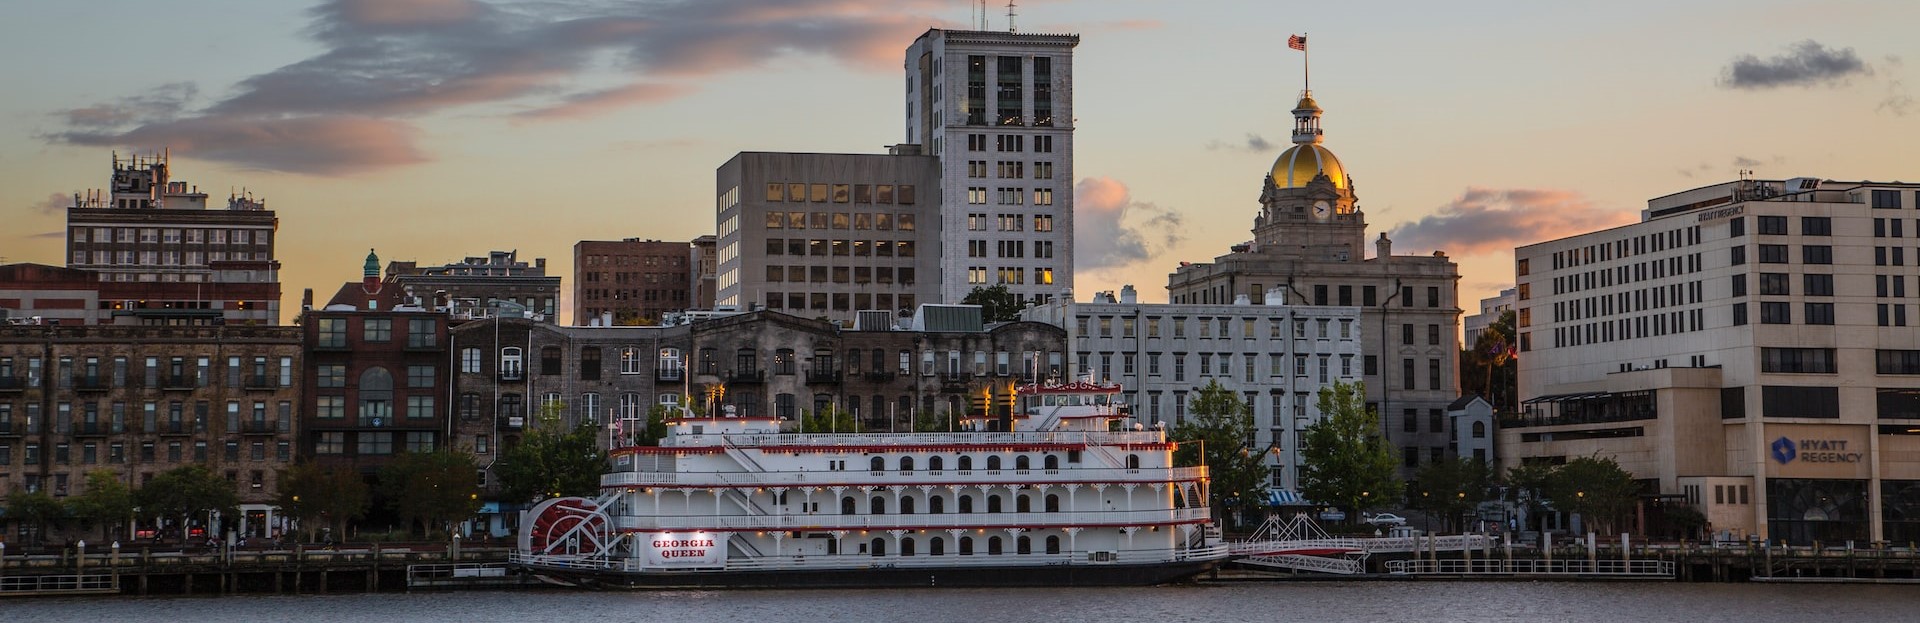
(1307,208)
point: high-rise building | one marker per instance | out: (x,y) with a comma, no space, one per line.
(167,254)
(1275,357)
(828,235)
(1309,241)
(996,109)
(1747,348)
(498,283)
(706,267)
(1491,309)
(631,281)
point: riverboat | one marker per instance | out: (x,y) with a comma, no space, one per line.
(1067,491)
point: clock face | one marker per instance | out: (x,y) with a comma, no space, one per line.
(1321,209)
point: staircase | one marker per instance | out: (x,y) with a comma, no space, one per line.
(740,456)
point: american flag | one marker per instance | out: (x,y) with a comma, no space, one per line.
(1297,42)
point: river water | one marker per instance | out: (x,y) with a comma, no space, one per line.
(1423,602)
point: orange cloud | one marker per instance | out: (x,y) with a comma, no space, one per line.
(1492,220)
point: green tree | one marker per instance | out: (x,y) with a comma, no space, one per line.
(37,510)
(655,429)
(105,502)
(997,304)
(315,496)
(828,419)
(550,461)
(1490,366)
(187,493)
(1451,488)
(1216,433)
(431,488)
(1596,488)
(941,422)
(1344,459)
(1526,488)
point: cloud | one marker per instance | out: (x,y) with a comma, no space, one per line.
(1745,162)
(383,63)
(1492,220)
(1112,230)
(1898,100)
(49,234)
(55,203)
(1805,64)
(1254,143)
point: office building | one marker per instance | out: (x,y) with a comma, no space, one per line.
(498,283)
(631,281)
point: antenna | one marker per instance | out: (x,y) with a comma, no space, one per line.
(1010,16)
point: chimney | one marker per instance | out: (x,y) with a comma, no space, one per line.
(1128,295)
(606,318)
(540,263)
(306,300)
(1242,299)
(1276,295)
(1383,247)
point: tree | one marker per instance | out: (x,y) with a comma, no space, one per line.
(1216,434)
(655,428)
(942,422)
(1345,461)
(431,488)
(828,419)
(997,304)
(314,496)
(187,493)
(1596,488)
(1451,488)
(1489,365)
(550,461)
(1526,487)
(105,502)
(37,509)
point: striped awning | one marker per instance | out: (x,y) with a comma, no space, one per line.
(1283,497)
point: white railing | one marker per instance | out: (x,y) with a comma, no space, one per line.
(1341,566)
(1633,568)
(1388,545)
(1257,548)
(967,521)
(896,439)
(947,559)
(891,478)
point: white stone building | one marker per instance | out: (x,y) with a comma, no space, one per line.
(1276,356)
(1490,310)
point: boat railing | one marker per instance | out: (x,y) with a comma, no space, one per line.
(888,477)
(958,521)
(890,439)
(892,560)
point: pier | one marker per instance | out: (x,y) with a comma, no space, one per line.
(372,568)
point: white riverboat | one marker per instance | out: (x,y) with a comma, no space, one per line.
(1066,492)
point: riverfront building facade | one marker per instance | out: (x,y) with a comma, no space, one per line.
(1749,347)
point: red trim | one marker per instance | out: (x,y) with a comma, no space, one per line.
(954,447)
(668,450)
(1076,387)
(849,485)
(929,528)
(763,418)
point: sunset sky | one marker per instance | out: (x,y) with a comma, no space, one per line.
(436,129)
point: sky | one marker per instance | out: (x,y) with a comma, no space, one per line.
(433,130)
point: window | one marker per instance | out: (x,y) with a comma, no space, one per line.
(1819,313)
(669,364)
(377,330)
(332,333)
(1773,254)
(512,363)
(1797,360)
(1816,226)
(1738,255)
(549,361)
(1817,254)
(1897,361)
(470,360)
(375,443)
(376,396)
(1886,199)
(590,363)
(1776,313)
(1773,225)
(1808,402)
(630,362)
(420,407)
(325,443)
(1818,285)
(331,375)
(420,333)
(1775,284)
(419,377)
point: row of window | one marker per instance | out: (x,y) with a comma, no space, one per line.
(1042,249)
(886,194)
(421,332)
(367,443)
(1639,327)
(840,274)
(1323,295)
(1009,275)
(1010,169)
(1009,196)
(163,258)
(817,247)
(1323,328)
(1042,144)
(1221,365)
(115,453)
(859,221)
(841,301)
(35,483)
(170,235)
(184,372)
(512,363)
(1628,247)
(104,418)
(1628,302)
(1628,273)
(978,221)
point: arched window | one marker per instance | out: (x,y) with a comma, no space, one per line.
(1022,504)
(966,463)
(877,464)
(879,547)
(993,503)
(966,504)
(1133,461)
(935,464)
(906,506)
(1479,430)
(1053,503)
(1052,462)
(877,505)
(376,397)
(937,505)
(906,463)
(993,463)
(966,546)
(512,363)
(1023,545)
(906,546)
(1053,544)
(993,546)
(846,505)
(1021,463)
(937,547)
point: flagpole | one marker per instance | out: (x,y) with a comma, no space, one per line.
(1306,68)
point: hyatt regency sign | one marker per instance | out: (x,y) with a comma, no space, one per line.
(1786,450)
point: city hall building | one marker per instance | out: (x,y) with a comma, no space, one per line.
(1747,347)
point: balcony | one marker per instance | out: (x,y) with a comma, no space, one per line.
(260,427)
(746,376)
(879,376)
(512,373)
(954,381)
(824,377)
(668,375)
(268,383)
(12,384)
(179,383)
(91,384)
(513,423)
(90,429)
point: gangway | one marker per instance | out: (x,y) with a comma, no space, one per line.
(1300,544)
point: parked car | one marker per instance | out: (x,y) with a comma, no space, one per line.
(1385,519)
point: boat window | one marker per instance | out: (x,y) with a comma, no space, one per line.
(993,503)
(937,547)
(879,547)
(1133,461)
(1023,545)
(1052,462)
(1053,544)
(1022,504)
(966,463)
(878,464)
(906,463)
(993,546)
(877,505)
(966,504)
(1053,505)
(906,508)
(993,462)
(936,464)
(966,546)
(937,505)
(846,505)
(1021,462)
(906,546)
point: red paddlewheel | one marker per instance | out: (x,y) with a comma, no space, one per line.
(555,518)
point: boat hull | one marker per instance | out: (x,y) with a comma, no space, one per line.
(922,577)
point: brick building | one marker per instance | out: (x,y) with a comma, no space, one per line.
(631,281)
(376,375)
(482,286)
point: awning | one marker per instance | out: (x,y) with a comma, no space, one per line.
(1283,497)
(1565,397)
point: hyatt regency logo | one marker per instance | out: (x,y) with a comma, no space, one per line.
(1784,450)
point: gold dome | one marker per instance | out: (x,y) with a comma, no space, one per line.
(1298,164)
(1307,103)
